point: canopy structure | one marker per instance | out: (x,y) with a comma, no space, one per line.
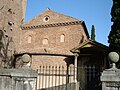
(90,47)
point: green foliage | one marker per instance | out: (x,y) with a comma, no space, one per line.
(114,36)
(93,33)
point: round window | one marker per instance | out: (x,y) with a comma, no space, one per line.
(46,18)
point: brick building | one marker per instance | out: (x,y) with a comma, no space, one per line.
(57,40)
(52,39)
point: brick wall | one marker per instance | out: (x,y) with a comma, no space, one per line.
(72,36)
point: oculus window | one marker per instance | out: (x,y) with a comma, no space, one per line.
(46,18)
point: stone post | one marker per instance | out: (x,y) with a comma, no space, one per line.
(111,77)
(18,79)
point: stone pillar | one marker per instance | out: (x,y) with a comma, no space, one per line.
(18,79)
(111,77)
(75,65)
(75,71)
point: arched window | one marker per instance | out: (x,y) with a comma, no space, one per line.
(45,41)
(62,38)
(29,39)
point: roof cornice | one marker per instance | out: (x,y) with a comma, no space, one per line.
(50,25)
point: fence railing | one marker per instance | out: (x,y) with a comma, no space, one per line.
(59,76)
(52,76)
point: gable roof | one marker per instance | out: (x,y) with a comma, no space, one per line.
(55,20)
(90,44)
(54,17)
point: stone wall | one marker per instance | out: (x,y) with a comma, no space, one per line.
(70,86)
(110,79)
(17,79)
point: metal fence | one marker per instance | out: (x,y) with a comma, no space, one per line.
(62,78)
(54,76)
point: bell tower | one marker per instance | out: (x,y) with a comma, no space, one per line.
(12,14)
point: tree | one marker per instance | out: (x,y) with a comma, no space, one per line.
(6,57)
(114,36)
(93,33)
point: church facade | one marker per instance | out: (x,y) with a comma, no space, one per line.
(51,36)
(53,39)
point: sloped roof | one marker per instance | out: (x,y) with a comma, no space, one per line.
(90,44)
(54,17)
(55,20)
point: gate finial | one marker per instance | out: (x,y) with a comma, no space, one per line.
(114,58)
